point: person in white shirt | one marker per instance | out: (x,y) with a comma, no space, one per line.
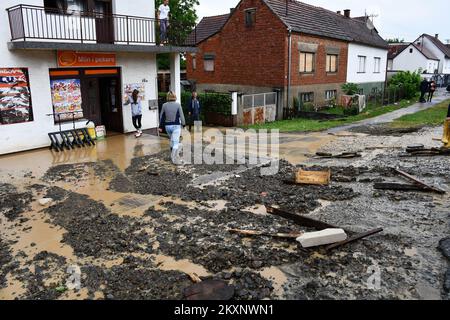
(163,18)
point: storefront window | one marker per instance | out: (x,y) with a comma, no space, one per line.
(15,97)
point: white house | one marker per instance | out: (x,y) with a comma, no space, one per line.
(63,62)
(367,56)
(438,49)
(414,58)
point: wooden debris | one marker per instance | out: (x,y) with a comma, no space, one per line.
(419,182)
(313,177)
(399,187)
(194,277)
(300,220)
(212,290)
(292,235)
(344,155)
(354,238)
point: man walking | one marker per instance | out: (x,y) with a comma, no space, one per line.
(194,110)
(432,90)
(163,19)
(424,86)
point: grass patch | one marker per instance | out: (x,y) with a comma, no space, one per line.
(306,125)
(431,117)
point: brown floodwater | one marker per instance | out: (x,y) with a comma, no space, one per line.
(38,234)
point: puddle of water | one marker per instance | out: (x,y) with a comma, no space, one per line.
(166,263)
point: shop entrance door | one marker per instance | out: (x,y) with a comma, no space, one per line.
(111,107)
(104,22)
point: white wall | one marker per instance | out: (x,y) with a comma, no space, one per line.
(355,50)
(435,50)
(30,135)
(407,61)
(136,68)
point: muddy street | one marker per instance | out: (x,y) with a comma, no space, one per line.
(137,227)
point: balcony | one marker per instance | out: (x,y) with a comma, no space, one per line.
(34,27)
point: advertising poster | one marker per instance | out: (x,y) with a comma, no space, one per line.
(66,97)
(15,98)
(129,88)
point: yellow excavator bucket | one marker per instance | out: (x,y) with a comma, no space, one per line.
(446,137)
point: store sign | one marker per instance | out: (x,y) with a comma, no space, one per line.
(15,98)
(85,59)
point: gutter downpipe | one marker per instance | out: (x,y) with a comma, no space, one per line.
(289,67)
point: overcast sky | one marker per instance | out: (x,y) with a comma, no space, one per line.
(405,19)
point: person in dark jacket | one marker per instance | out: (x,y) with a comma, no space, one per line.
(194,109)
(432,90)
(424,88)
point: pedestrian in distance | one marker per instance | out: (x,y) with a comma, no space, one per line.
(194,109)
(432,90)
(424,88)
(172,119)
(163,21)
(136,111)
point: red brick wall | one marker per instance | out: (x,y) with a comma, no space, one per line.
(253,56)
(320,76)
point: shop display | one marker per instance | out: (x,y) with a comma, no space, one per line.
(66,97)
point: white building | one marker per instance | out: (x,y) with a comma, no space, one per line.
(367,56)
(76,59)
(438,49)
(414,58)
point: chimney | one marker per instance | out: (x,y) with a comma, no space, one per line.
(347,13)
(231,10)
(338,12)
(436,35)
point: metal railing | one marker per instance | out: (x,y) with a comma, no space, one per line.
(29,22)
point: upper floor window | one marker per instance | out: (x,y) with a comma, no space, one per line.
(362,64)
(377,65)
(209,62)
(307,62)
(332,65)
(65,6)
(411,50)
(250,17)
(194,62)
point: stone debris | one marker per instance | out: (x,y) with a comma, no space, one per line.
(320,238)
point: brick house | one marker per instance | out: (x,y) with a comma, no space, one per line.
(298,50)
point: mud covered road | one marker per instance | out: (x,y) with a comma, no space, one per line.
(137,228)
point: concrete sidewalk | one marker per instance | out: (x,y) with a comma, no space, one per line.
(389,117)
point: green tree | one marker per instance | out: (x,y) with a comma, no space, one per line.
(183,19)
(395,40)
(408,81)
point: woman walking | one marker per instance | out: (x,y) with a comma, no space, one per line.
(172,118)
(136,111)
(432,90)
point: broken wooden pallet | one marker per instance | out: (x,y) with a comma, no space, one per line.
(321,178)
(421,183)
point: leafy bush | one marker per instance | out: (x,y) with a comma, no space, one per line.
(350,88)
(296,103)
(308,107)
(406,80)
(352,111)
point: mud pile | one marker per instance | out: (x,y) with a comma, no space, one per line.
(5,260)
(12,202)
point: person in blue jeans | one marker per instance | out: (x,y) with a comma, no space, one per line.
(136,111)
(172,119)
(163,20)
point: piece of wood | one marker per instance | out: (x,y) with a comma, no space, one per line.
(194,277)
(410,177)
(354,238)
(321,178)
(300,220)
(292,235)
(399,187)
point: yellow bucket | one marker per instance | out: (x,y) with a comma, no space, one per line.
(446,137)
(90,126)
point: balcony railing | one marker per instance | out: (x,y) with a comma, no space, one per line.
(33,23)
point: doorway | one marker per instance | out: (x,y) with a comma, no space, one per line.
(104,21)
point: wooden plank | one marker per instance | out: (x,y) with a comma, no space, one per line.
(354,238)
(321,178)
(410,177)
(300,220)
(293,235)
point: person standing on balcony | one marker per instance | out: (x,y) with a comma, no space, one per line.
(172,118)
(194,109)
(163,20)
(136,111)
